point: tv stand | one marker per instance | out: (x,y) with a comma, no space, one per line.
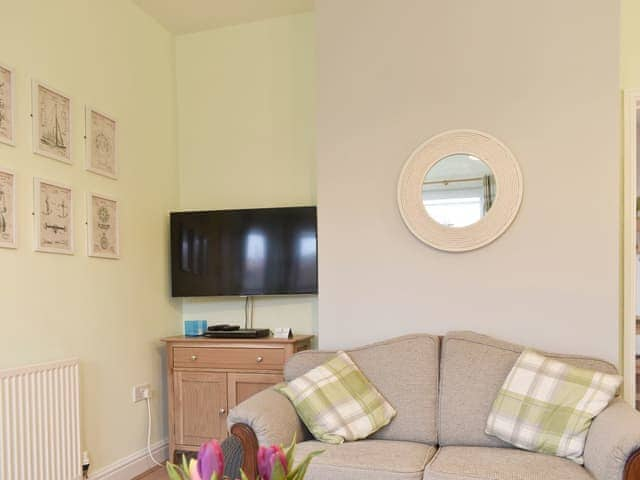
(209,376)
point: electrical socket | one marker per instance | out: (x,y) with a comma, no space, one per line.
(141,392)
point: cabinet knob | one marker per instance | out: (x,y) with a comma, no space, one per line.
(194,357)
(259,359)
(222,411)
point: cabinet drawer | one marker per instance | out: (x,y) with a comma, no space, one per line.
(233,358)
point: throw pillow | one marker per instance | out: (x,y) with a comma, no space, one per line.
(547,406)
(337,402)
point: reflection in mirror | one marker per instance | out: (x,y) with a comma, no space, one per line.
(458,190)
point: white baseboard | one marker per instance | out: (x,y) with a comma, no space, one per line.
(134,464)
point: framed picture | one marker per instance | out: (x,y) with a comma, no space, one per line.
(101,143)
(7,105)
(8,229)
(53,209)
(51,112)
(103,239)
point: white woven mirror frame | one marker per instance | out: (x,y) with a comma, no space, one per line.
(508,179)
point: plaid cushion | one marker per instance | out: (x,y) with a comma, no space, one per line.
(337,402)
(547,406)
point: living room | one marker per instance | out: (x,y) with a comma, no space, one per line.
(229,105)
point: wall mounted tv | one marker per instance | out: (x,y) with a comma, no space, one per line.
(269,251)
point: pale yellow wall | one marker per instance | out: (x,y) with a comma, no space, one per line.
(630,48)
(108,313)
(246,111)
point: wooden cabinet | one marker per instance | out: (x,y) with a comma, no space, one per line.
(200,406)
(208,377)
(244,385)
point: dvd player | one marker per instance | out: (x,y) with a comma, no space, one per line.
(240,333)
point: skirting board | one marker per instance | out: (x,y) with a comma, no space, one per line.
(133,465)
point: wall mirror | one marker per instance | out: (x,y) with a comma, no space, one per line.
(460,190)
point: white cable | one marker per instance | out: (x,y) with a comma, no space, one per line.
(252,307)
(246,314)
(149,433)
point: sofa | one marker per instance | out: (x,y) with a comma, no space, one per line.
(443,389)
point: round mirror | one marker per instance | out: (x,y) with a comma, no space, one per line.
(458,190)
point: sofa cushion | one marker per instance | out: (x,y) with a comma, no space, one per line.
(366,460)
(485,463)
(547,406)
(405,371)
(472,370)
(337,402)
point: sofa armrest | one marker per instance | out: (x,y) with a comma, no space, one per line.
(271,416)
(613,444)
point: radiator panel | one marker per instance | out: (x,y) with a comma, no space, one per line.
(40,422)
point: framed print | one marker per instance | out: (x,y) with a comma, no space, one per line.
(7,105)
(53,209)
(101,143)
(8,229)
(103,238)
(51,111)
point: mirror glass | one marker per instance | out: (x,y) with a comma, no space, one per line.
(458,190)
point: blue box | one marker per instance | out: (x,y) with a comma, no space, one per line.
(195,328)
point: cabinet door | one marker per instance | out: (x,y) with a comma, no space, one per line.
(244,385)
(200,407)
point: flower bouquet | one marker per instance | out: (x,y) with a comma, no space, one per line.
(274,463)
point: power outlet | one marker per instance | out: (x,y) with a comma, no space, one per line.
(141,392)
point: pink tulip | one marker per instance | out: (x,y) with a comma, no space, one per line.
(193,470)
(267,458)
(210,461)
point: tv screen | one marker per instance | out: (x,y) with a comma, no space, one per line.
(270,251)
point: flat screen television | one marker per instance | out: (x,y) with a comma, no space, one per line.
(267,251)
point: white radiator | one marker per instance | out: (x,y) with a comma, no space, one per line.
(40,422)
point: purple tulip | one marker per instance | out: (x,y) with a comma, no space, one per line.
(210,460)
(267,458)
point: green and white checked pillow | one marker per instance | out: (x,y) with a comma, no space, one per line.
(547,406)
(337,402)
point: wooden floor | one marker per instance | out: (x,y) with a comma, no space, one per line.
(157,473)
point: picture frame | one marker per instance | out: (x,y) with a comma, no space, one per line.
(103,226)
(53,217)
(8,211)
(51,122)
(101,143)
(7,105)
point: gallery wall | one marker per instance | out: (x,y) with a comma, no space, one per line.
(108,313)
(246,122)
(536,75)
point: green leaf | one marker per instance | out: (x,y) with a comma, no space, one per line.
(290,453)
(185,464)
(278,471)
(214,476)
(243,476)
(301,470)
(171,471)
(176,473)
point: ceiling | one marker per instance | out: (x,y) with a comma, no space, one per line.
(188,16)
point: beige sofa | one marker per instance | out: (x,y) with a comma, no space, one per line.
(442,389)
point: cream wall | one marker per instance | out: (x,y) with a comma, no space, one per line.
(535,75)
(630,49)
(246,116)
(110,314)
